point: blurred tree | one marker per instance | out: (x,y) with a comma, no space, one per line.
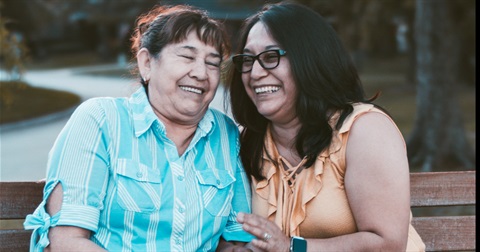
(438,138)
(13,51)
(463,16)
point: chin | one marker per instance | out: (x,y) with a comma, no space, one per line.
(266,110)
(267,115)
(195,111)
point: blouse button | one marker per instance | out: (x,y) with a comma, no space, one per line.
(139,174)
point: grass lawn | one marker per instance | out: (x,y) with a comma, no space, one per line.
(20,101)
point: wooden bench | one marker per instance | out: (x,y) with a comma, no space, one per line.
(17,200)
(432,189)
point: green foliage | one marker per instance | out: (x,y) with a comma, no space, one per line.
(13,51)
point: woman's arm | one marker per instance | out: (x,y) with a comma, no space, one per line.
(66,238)
(377,186)
(377,182)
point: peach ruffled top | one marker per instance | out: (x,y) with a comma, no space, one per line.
(313,203)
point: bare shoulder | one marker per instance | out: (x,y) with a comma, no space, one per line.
(374,134)
(376,152)
(374,124)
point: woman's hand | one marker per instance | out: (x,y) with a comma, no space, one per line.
(269,236)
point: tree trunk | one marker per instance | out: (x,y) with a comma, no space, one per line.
(438,140)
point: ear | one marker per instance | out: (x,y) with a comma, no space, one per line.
(144,63)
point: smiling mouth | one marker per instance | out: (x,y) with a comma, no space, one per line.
(267,89)
(192,89)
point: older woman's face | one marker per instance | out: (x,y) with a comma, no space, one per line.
(273,91)
(183,79)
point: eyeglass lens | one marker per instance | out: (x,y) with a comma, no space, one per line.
(267,59)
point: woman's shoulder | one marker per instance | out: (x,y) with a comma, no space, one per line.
(360,109)
(100,106)
(100,101)
(368,121)
(103,101)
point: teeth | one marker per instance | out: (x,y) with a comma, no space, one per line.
(191,89)
(268,89)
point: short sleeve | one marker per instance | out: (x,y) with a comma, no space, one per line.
(79,161)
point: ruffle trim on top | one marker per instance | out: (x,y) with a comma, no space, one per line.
(313,184)
(267,190)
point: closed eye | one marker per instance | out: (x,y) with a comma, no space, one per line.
(187,57)
(215,64)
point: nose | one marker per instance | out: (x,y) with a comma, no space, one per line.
(258,71)
(199,70)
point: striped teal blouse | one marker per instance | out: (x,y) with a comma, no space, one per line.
(123,179)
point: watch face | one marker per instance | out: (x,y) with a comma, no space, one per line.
(298,244)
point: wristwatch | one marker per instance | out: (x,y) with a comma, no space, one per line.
(298,244)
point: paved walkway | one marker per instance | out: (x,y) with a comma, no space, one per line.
(24,146)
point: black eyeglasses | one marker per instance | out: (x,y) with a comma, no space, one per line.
(268,60)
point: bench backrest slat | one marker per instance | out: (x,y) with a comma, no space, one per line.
(446,233)
(15,240)
(17,199)
(442,188)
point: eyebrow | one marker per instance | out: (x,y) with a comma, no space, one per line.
(195,50)
(246,50)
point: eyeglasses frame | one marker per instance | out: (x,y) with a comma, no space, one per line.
(280,53)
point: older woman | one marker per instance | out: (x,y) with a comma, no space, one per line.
(329,169)
(158,171)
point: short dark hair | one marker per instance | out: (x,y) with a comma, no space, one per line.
(163,25)
(325,77)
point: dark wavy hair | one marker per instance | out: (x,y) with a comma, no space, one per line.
(163,25)
(325,76)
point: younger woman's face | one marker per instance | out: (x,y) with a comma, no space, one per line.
(273,91)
